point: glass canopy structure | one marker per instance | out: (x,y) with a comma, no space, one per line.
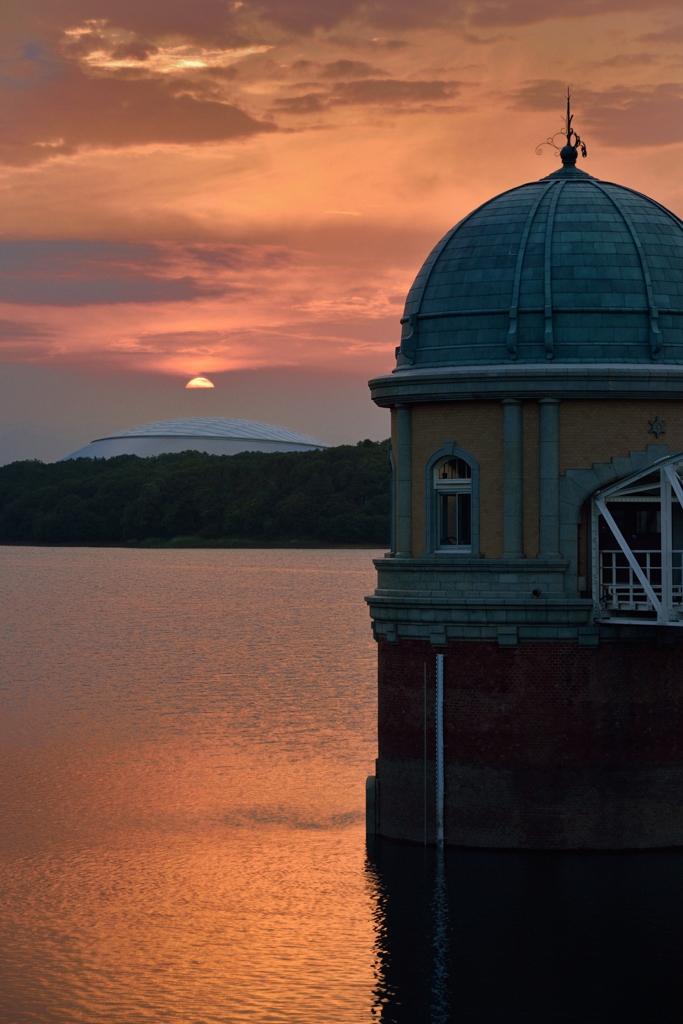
(637,547)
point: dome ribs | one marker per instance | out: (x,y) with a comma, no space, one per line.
(514,305)
(587,272)
(655,333)
(547,272)
(405,353)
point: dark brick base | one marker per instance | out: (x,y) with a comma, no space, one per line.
(547,745)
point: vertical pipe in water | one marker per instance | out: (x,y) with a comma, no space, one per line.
(425,753)
(439,750)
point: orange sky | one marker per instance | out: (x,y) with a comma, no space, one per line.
(218,187)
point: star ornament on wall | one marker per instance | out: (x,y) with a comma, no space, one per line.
(657,427)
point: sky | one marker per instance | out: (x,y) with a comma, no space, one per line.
(245,190)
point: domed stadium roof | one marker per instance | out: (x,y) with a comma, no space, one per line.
(568,269)
(211,434)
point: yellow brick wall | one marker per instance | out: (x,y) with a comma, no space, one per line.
(478,428)
(598,430)
(590,431)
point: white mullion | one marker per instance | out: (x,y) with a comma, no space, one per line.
(667,558)
(597,565)
(675,483)
(678,491)
(630,557)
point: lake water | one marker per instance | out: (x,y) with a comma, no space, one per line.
(184,740)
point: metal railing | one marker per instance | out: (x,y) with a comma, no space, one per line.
(622,591)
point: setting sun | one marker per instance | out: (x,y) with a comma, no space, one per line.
(199,382)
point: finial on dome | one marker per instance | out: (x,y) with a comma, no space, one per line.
(570,151)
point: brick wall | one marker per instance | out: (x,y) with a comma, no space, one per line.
(547,744)
(596,431)
(477,427)
(590,431)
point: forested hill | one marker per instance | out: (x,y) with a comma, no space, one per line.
(334,496)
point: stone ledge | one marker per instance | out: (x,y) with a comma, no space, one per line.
(431,603)
(439,563)
(529,380)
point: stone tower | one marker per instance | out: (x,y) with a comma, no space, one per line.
(529,617)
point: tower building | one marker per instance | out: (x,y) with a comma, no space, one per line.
(529,617)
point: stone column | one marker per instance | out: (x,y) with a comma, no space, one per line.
(513,483)
(549,478)
(404,489)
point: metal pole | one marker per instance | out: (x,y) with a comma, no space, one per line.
(439,750)
(665,520)
(425,754)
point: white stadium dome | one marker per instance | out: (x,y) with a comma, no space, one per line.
(210,434)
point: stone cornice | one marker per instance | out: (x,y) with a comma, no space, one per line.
(529,381)
(481,602)
(463,563)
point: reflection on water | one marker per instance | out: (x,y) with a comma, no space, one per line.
(481,937)
(184,738)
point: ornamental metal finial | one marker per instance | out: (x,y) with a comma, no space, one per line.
(574,143)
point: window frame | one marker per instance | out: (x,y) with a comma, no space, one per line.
(449,451)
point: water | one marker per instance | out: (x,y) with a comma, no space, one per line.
(184,737)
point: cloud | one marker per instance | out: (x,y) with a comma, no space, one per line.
(351,69)
(392,91)
(310,103)
(25,341)
(307,15)
(541,94)
(496,13)
(73,272)
(619,116)
(241,257)
(638,117)
(179,342)
(672,34)
(304,16)
(13,330)
(226,23)
(97,291)
(70,109)
(74,256)
(208,21)
(78,273)
(628,60)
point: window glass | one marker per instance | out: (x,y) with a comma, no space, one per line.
(456,520)
(455,469)
(453,483)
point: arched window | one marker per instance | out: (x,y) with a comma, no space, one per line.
(452,502)
(453,483)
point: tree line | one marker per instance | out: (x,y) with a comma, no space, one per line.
(333,496)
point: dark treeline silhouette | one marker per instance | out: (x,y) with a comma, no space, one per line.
(334,496)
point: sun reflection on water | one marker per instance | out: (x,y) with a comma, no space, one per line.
(185,742)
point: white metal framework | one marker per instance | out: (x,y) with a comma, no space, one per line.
(637,547)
